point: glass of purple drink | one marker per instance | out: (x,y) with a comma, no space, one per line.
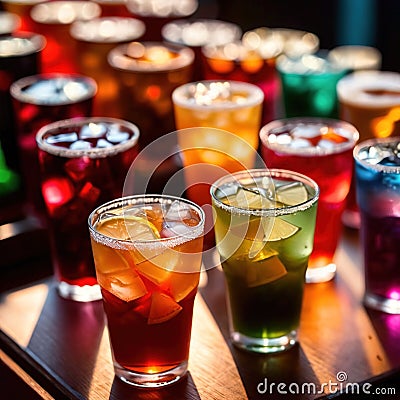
(377,166)
(83,162)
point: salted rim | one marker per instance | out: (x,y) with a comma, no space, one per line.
(376,167)
(270,173)
(144,199)
(353,136)
(182,23)
(351,88)
(255,96)
(16,88)
(94,8)
(38,43)
(92,152)
(185,58)
(78,30)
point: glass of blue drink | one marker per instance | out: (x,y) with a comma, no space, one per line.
(377,164)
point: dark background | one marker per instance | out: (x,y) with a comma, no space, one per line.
(336,22)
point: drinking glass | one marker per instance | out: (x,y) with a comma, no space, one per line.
(309,85)
(94,39)
(20,54)
(264,228)
(369,100)
(322,149)
(198,32)
(39,100)
(147,251)
(377,166)
(53,20)
(83,163)
(232,106)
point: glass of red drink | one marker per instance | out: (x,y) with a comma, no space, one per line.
(84,162)
(37,101)
(53,20)
(377,176)
(147,251)
(321,149)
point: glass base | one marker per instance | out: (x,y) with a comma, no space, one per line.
(390,306)
(351,219)
(151,380)
(260,345)
(79,293)
(321,274)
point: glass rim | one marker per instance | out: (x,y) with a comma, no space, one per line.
(38,41)
(92,152)
(125,201)
(390,169)
(210,22)
(271,212)
(354,87)
(353,136)
(256,96)
(78,5)
(185,58)
(16,88)
(77,30)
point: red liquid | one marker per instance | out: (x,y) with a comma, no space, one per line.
(72,188)
(332,172)
(32,114)
(144,347)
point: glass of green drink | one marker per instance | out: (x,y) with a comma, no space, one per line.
(264,228)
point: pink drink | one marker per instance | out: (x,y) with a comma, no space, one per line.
(84,162)
(39,100)
(322,150)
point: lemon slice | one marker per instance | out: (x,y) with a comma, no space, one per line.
(162,308)
(129,227)
(282,230)
(291,194)
(264,272)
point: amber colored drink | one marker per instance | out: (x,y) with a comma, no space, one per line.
(147,251)
(84,162)
(321,149)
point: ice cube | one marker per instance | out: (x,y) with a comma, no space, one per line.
(89,193)
(177,212)
(69,137)
(77,168)
(103,143)
(326,144)
(114,134)
(306,131)
(80,145)
(299,143)
(92,130)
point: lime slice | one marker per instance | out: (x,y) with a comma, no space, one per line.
(129,227)
(162,308)
(282,230)
(269,270)
(249,199)
(291,194)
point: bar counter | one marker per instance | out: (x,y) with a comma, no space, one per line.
(52,348)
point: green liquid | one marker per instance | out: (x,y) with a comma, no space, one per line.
(265,279)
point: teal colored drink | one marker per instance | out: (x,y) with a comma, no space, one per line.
(264,228)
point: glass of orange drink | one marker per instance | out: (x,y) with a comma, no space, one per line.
(147,252)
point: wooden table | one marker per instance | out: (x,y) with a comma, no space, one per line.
(54,348)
